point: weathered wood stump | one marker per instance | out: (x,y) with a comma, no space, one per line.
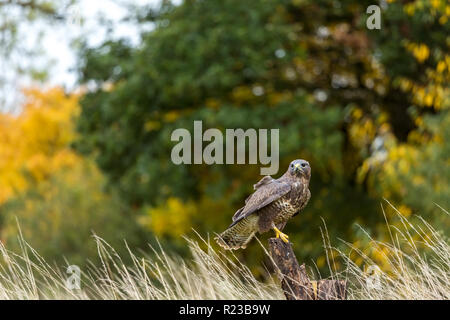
(296,283)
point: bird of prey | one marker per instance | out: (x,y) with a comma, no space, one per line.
(272,204)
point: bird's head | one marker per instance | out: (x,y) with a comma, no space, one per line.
(300,168)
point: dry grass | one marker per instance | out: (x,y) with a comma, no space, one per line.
(207,275)
(211,274)
(417,260)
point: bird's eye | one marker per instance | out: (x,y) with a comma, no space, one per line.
(292,165)
(303,165)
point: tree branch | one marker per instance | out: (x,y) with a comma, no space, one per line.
(295,281)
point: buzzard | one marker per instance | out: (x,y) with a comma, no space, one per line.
(272,204)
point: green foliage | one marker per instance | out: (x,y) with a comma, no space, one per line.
(59,217)
(416,173)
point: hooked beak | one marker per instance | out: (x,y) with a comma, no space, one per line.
(298,167)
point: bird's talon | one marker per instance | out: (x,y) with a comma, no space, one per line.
(284,237)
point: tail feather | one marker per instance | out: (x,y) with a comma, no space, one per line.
(238,235)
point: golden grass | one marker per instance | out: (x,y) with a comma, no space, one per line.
(207,275)
(417,262)
(211,274)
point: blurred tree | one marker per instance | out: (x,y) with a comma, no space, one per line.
(57,196)
(341,94)
(36,143)
(21,53)
(59,216)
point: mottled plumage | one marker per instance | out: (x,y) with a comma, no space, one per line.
(272,204)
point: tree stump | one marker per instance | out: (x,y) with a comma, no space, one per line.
(296,283)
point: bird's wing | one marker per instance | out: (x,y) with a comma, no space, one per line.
(264,195)
(263,181)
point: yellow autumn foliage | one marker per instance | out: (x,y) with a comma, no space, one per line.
(36,142)
(172,218)
(54,194)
